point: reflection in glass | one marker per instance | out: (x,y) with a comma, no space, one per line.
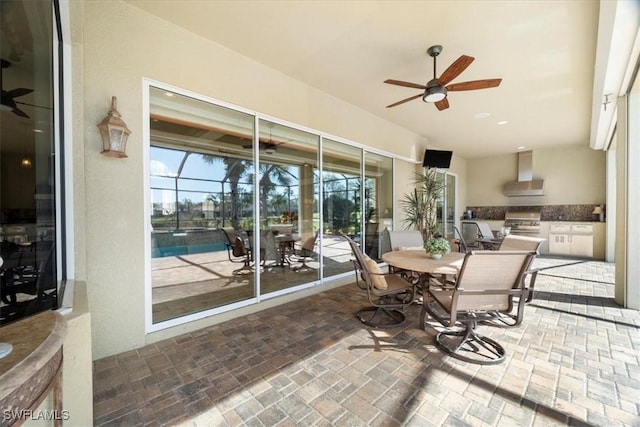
(446,205)
(378,202)
(450,194)
(28,276)
(201,164)
(341,192)
(215,242)
(288,198)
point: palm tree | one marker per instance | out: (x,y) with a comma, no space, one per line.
(272,176)
(235,169)
(279,202)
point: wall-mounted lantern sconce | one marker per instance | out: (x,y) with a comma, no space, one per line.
(114,132)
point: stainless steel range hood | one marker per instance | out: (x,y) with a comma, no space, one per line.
(525,185)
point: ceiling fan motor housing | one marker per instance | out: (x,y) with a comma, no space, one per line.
(434,92)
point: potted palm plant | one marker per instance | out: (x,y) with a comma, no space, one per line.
(421,205)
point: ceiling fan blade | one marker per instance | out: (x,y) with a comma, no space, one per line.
(442,105)
(20,113)
(32,105)
(14,93)
(455,69)
(475,84)
(411,98)
(405,84)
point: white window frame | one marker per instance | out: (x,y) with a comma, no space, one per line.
(151,327)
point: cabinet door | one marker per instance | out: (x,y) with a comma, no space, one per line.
(560,228)
(582,245)
(582,229)
(559,244)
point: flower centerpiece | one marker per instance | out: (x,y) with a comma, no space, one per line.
(437,247)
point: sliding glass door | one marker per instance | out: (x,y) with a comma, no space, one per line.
(378,200)
(288,185)
(446,205)
(241,211)
(201,213)
(342,192)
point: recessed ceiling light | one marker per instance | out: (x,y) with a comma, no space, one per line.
(169,94)
(38,130)
(503,122)
(481,116)
(522,147)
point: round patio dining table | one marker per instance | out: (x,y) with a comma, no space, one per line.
(420,262)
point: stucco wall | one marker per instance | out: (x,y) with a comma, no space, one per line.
(121,45)
(77,369)
(572,175)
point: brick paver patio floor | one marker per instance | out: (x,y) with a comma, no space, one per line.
(575,360)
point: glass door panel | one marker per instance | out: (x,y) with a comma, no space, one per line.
(450,205)
(201,195)
(378,200)
(28,152)
(446,205)
(341,192)
(288,198)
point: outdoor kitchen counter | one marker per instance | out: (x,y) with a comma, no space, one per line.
(34,367)
(573,213)
(599,229)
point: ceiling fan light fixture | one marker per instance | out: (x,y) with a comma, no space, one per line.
(25,162)
(7,105)
(434,94)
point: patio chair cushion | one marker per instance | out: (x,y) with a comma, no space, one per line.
(239,249)
(377,278)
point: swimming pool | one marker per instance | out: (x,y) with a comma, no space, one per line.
(186,249)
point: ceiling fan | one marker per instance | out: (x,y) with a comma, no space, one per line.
(435,91)
(7,102)
(269,146)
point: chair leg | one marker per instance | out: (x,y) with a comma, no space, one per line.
(303,264)
(380,317)
(469,346)
(503,319)
(532,282)
(423,318)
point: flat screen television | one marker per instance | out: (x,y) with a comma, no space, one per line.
(437,159)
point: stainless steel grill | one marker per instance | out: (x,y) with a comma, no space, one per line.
(523,222)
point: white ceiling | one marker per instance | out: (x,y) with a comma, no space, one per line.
(544,52)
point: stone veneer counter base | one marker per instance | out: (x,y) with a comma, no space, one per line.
(34,366)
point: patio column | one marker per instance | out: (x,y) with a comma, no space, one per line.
(627,291)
